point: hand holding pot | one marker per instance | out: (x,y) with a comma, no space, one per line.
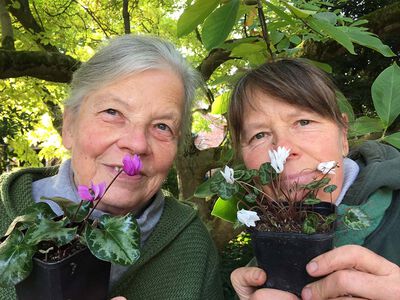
(245,281)
(355,271)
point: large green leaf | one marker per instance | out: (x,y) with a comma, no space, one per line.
(15,259)
(73,210)
(219,24)
(254,52)
(117,239)
(365,125)
(282,14)
(300,13)
(333,32)
(393,139)
(225,209)
(220,104)
(345,106)
(49,230)
(367,39)
(194,15)
(386,94)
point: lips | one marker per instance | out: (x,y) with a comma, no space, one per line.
(300,178)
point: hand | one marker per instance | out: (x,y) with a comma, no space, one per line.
(119,298)
(353,271)
(246,280)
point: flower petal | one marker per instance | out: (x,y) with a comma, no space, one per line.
(84,193)
(247,217)
(327,167)
(132,165)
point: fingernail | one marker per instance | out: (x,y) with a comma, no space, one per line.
(312,267)
(306,293)
(257,275)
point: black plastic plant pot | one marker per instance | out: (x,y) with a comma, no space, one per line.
(284,255)
(79,276)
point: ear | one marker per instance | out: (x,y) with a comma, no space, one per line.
(67,129)
(345,142)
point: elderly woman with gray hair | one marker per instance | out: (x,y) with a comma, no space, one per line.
(131,97)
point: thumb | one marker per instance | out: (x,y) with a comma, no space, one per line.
(119,298)
(245,281)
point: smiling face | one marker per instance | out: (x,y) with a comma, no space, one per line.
(311,138)
(137,114)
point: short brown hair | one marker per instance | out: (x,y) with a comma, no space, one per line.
(292,81)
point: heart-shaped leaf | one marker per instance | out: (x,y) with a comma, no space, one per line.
(73,210)
(33,214)
(266,173)
(15,259)
(117,239)
(49,230)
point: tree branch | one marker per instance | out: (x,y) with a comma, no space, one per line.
(125,15)
(50,66)
(25,17)
(214,59)
(7,34)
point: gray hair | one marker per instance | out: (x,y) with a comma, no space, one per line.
(129,54)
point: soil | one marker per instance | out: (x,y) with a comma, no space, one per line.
(49,252)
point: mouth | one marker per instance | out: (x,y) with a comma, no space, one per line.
(300,178)
(115,169)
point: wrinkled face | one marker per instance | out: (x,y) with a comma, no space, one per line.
(138,114)
(312,139)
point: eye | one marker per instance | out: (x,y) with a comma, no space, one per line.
(259,136)
(111,111)
(163,127)
(304,122)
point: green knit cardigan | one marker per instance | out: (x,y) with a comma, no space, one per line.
(178,261)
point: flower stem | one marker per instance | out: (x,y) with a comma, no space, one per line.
(98,201)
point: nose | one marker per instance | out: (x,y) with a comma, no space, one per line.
(134,140)
(282,137)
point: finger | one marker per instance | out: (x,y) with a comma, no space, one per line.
(350,257)
(119,298)
(346,283)
(272,294)
(246,280)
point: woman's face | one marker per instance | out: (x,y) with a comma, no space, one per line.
(138,114)
(311,138)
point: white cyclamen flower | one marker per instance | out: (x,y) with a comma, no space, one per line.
(228,175)
(278,158)
(247,217)
(327,167)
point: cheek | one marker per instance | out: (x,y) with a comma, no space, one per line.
(253,158)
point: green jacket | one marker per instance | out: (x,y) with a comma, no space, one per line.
(178,261)
(376,195)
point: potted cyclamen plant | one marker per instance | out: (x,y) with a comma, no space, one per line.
(288,225)
(69,257)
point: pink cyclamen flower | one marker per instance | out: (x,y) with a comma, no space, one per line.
(132,164)
(92,193)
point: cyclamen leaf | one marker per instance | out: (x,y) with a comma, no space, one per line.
(310,224)
(204,190)
(117,239)
(266,173)
(49,230)
(251,198)
(330,188)
(70,207)
(311,201)
(33,214)
(15,259)
(222,188)
(314,185)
